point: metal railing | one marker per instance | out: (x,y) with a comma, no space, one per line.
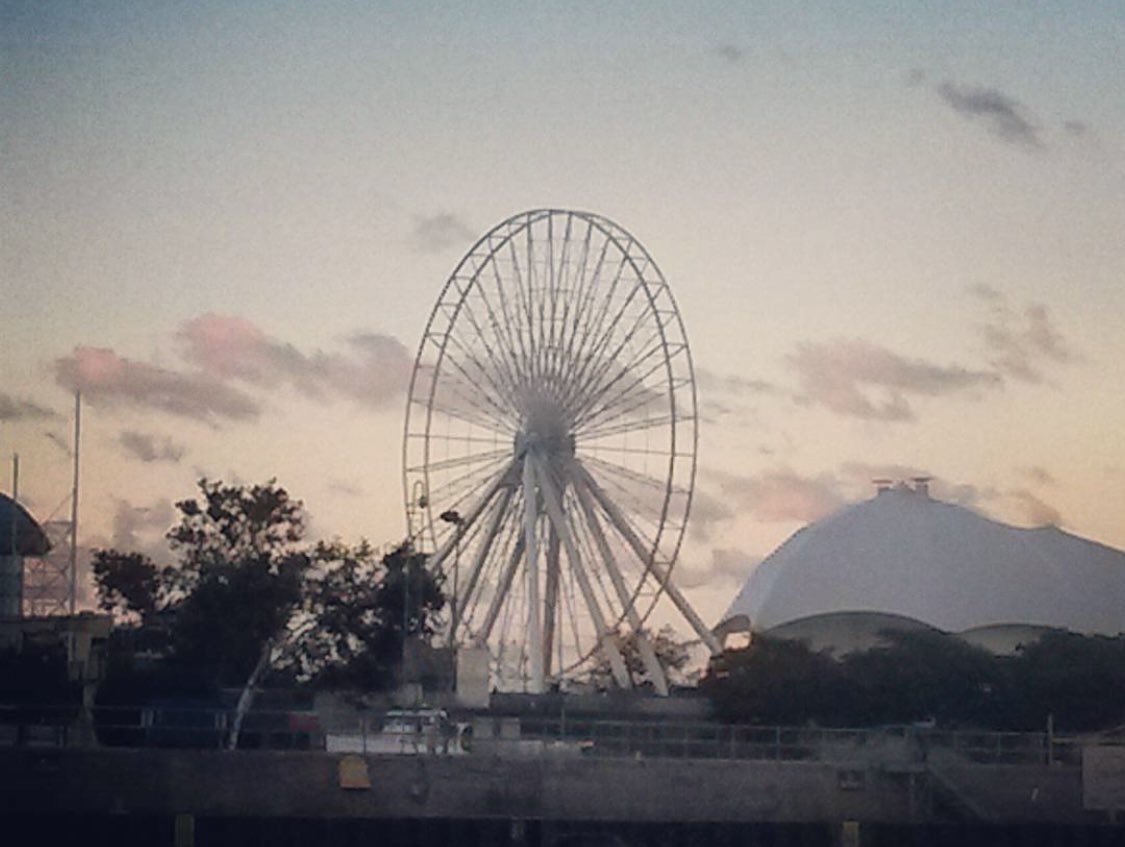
(209,727)
(203,727)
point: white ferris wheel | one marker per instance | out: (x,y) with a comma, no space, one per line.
(549,448)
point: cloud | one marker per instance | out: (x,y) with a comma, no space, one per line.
(150,448)
(344,489)
(141,529)
(1035,511)
(727,566)
(730,51)
(780,495)
(706,511)
(723,396)
(436,233)
(1076,128)
(104,378)
(15,409)
(1019,342)
(841,375)
(58,440)
(1038,475)
(1001,115)
(861,475)
(732,383)
(915,77)
(374,373)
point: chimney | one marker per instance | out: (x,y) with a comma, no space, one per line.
(922,485)
(882,485)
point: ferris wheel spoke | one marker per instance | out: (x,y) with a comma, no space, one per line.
(484,548)
(456,492)
(591,434)
(479,397)
(596,319)
(442,410)
(527,305)
(590,383)
(587,290)
(502,589)
(468,412)
(474,507)
(505,384)
(594,359)
(623,393)
(509,323)
(471,459)
(490,576)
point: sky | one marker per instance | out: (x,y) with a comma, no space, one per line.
(893,231)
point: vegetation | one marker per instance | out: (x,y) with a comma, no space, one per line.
(250,592)
(923,676)
(671,653)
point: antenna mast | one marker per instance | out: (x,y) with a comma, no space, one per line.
(73,571)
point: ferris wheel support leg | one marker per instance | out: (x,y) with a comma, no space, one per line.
(661,573)
(644,647)
(482,553)
(502,590)
(606,639)
(535,633)
(550,599)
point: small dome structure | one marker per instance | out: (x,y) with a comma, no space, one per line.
(19,532)
(906,554)
(20,536)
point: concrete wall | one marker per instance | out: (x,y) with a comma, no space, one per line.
(294,784)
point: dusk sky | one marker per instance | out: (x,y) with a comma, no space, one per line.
(895,232)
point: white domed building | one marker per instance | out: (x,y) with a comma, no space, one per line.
(903,560)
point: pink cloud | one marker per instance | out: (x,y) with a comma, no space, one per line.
(375,371)
(781,495)
(103,377)
(851,376)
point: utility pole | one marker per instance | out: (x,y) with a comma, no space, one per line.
(73,598)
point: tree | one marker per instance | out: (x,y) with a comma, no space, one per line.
(1078,679)
(127,583)
(354,613)
(670,652)
(241,575)
(250,593)
(773,681)
(921,675)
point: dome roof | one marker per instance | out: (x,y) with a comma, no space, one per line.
(29,538)
(904,553)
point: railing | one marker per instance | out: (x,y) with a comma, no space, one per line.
(156,726)
(209,727)
(906,745)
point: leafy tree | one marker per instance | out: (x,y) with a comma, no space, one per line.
(240,578)
(773,681)
(128,584)
(670,652)
(920,675)
(1080,680)
(352,635)
(250,592)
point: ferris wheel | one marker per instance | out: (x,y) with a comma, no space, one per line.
(549,448)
